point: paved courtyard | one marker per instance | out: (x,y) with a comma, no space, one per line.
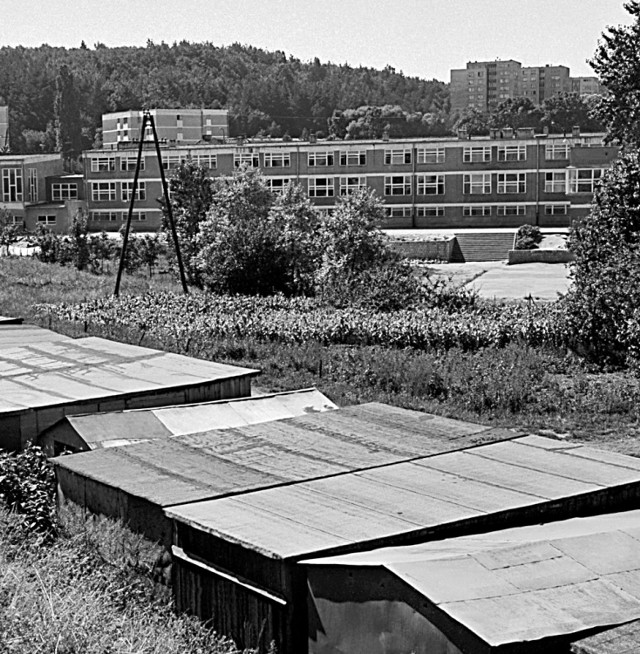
(495,279)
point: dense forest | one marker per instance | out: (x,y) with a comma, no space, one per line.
(265,92)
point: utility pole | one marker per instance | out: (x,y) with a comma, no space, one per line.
(148,118)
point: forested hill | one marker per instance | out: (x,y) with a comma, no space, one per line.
(264,91)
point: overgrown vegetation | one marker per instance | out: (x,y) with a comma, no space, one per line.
(528,237)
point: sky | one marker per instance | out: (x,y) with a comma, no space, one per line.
(423,38)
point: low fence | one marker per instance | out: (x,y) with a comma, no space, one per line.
(431,250)
(540,256)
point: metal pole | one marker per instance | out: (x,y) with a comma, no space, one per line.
(165,192)
(132,200)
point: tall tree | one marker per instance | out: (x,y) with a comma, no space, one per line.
(562,112)
(617,63)
(67,115)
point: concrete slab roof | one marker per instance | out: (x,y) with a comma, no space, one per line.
(218,463)
(528,583)
(40,368)
(117,428)
(406,501)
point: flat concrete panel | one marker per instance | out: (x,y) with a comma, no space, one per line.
(43,370)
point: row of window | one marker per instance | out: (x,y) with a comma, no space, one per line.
(327,158)
(106,191)
(579,181)
(474,210)
(116,216)
(13,187)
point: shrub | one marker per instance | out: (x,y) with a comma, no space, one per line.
(27,486)
(528,237)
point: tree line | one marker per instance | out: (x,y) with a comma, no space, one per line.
(56,96)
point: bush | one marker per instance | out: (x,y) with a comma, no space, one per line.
(27,486)
(528,237)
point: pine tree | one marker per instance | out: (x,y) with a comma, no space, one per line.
(67,115)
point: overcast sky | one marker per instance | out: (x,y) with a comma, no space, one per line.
(425,38)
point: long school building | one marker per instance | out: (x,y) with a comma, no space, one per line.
(505,180)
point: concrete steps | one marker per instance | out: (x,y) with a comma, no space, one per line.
(479,246)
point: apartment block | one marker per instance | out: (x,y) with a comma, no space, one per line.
(174,126)
(483,85)
(504,180)
(586,86)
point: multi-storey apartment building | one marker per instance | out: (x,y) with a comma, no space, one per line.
(36,191)
(504,180)
(173,126)
(483,85)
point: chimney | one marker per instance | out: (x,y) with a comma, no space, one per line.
(507,133)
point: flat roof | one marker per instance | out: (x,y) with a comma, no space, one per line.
(527,583)
(116,428)
(233,461)
(40,368)
(406,501)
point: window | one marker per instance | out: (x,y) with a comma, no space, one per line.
(104,216)
(103,191)
(277,159)
(206,160)
(127,189)
(477,154)
(397,156)
(64,191)
(512,152)
(103,164)
(512,183)
(316,159)
(136,216)
(555,151)
(129,163)
(397,185)
(353,158)
(349,185)
(32,175)
(429,212)
(172,161)
(46,220)
(12,185)
(321,187)
(476,210)
(477,183)
(278,184)
(430,155)
(251,159)
(584,180)
(511,210)
(555,182)
(398,212)
(555,209)
(430,185)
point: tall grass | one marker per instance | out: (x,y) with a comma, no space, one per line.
(89,592)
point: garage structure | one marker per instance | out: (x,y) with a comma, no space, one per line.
(81,433)
(530,590)
(137,482)
(237,559)
(45,376)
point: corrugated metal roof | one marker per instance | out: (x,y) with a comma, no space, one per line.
(40,368)
(122,427)
(405,500)
(229,461)
(527,583)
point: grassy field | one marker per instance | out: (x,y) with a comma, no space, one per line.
(535,389)
(90,590)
